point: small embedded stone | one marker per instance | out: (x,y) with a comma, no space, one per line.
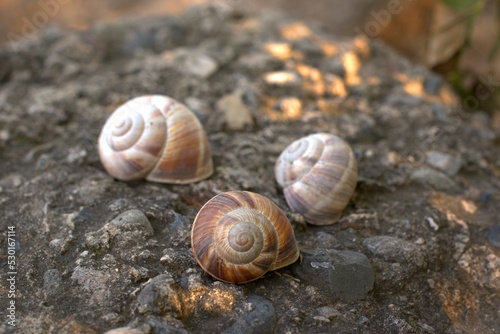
(159,296)
(261,319)
(345,275)
(494,236)
(444,162)
(433,178)
(236,114)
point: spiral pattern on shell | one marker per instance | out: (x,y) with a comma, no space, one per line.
(157,138)
(238,236)
(318,174)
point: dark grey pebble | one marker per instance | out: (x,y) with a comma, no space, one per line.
(261,320)
(494,236)
(159,296)
(133,220)
(85,215)
(344,275)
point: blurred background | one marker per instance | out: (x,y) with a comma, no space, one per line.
(457,38)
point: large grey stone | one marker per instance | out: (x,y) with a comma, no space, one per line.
(343,275)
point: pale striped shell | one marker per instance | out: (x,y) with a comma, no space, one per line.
(318,174)
(238,236)
(155,138)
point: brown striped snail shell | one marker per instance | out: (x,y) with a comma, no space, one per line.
(155,138)
(238,236)
(318,174)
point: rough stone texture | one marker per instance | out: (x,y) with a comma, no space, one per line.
(160,296)
(395,250)
(125,330)
(434,179)
(261,318)
(343,275)
(396,260)
(79,270)
(445,162)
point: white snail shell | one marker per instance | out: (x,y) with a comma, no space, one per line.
(318,174)
(238,236)
(155,138)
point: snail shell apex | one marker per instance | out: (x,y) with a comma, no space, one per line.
(318,174)
(155,138)
(238,236)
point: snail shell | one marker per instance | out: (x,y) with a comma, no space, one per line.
(318,174)
(155,138)
(238,236)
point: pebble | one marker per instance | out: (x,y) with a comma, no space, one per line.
(344,275)
(236,114)
(420,241)
(75,155)
(4,135)
(201,65)
(256,61)
(393,249)
(282,78)
(12,181)
(125,330)
(85,215)
(133,220)
(363,320)
(321,318)
(96,283)
(444,162)
(494,236)
(426,328)
(434,179)
(261,319)
(326,239)
(432,223)
(328,312)
(119,204)
(159,296)
(130,228)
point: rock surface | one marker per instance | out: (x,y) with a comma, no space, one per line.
(343,275)
(95,254)
(261,318)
